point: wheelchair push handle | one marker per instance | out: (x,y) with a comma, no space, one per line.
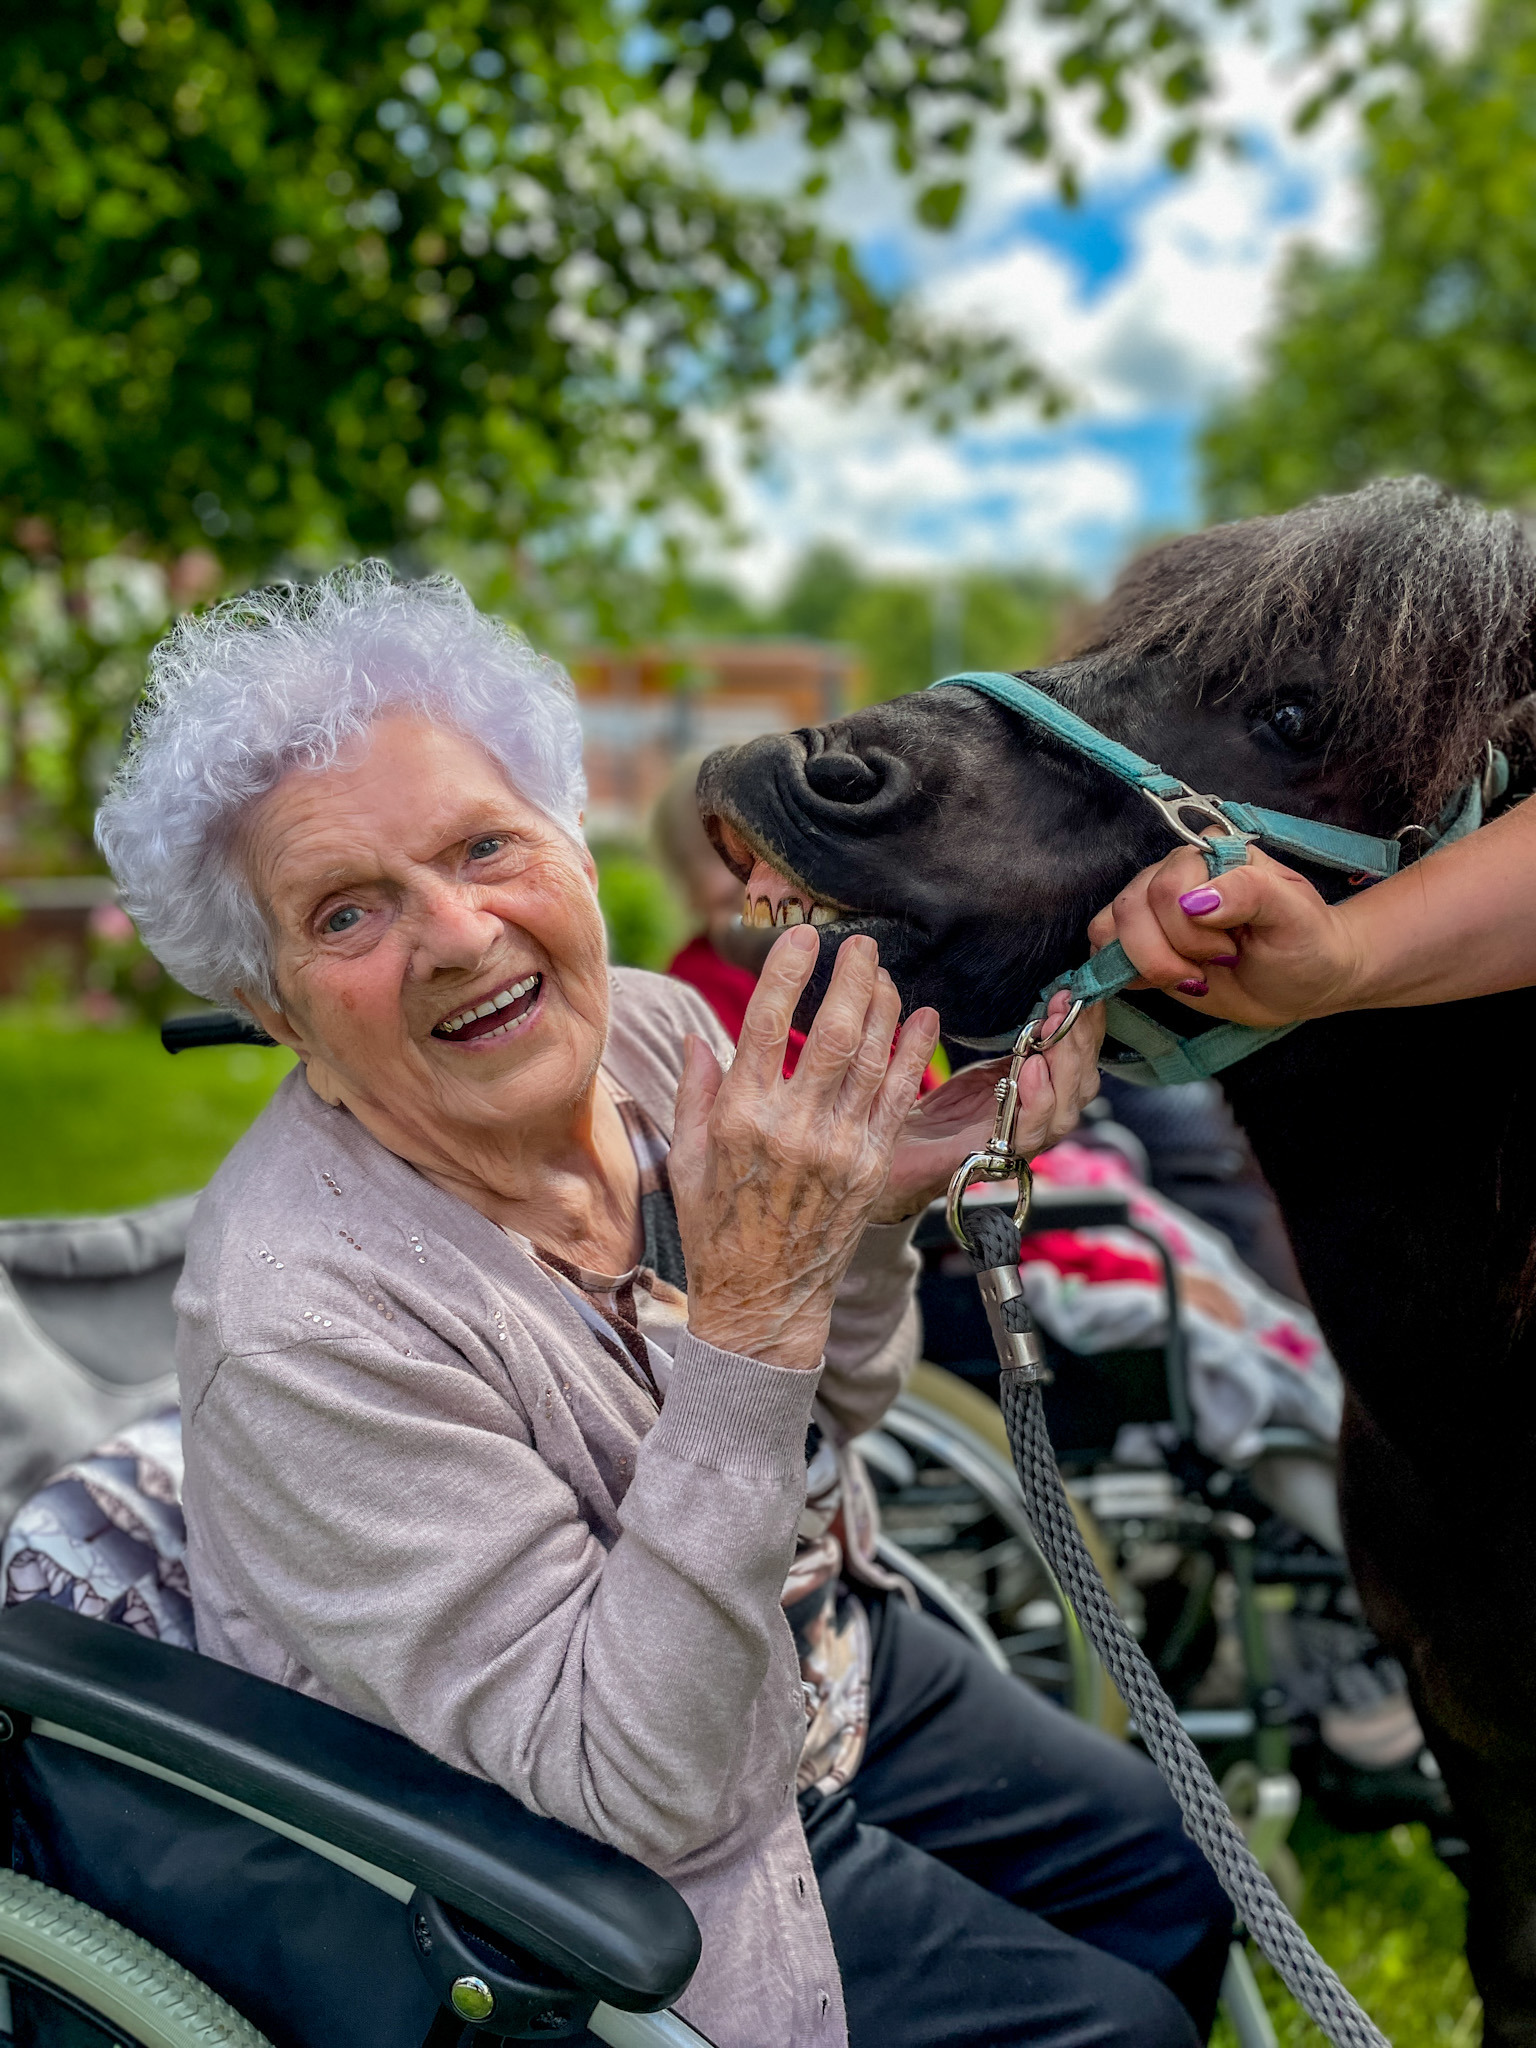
(210,1027)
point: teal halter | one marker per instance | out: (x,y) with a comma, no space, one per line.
(1223,830)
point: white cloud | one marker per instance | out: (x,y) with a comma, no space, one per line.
(1172,328)
(1178,323)
(908,502)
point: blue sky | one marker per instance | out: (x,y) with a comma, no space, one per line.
(1147,300)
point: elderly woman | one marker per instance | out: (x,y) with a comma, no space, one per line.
(524,1337)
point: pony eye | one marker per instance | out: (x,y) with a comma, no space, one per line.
(1289,722)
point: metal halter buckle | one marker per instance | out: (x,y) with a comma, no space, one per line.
(1171,810)
(997,1159)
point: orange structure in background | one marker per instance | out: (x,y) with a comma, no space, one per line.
(643,707)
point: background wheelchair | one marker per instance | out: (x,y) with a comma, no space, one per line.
(199,1856)
(1247,1617)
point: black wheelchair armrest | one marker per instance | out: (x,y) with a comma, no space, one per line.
(1077,1208)
(362,1795)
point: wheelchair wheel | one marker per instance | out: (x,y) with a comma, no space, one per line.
(74,1979)
(948,1494)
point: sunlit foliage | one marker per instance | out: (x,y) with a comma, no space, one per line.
(294,280)
(1419,356)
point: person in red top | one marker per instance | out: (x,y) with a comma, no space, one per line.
(723,960)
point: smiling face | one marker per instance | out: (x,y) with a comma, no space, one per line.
(439,953)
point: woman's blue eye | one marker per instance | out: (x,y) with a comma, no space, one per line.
(482,849)
(343,920)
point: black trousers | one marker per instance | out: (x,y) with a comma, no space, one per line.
(997,1872)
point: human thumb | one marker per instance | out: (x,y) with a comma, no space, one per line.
(1262,893)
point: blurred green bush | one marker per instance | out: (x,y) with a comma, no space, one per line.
(1391,1919)
(100,1119)
(646,922)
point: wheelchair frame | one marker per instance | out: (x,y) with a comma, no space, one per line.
(596,1940)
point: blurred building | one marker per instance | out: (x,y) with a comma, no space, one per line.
(643,707)
(45,928)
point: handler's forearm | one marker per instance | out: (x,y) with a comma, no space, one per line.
(1456,924)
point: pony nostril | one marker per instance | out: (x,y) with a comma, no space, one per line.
(842,778)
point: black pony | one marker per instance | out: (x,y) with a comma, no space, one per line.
(1353,662)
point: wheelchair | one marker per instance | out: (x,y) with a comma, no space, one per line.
(198,1856)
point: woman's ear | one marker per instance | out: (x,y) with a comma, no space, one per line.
(274,1023)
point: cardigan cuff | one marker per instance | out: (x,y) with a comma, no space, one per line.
(735,1414)
(885,1244)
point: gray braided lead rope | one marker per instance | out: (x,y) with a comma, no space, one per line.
(1206,1815)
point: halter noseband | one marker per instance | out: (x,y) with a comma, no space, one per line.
(1223,829)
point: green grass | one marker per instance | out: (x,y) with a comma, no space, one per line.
(96,1119)
(1390,1918)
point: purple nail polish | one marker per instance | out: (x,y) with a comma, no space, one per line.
(1223,959)
(1198,901)
(1194,988)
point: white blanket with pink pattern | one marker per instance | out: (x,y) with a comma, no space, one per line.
(1254,1358)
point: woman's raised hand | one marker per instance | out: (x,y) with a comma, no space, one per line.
(1258,944)
(947,1126)
(775,1180)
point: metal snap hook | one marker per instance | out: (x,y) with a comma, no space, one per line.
(980,1166)
(1076,1009)
(998,1159)
(1214,822)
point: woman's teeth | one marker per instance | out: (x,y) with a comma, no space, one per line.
(502,1000)
(760,911)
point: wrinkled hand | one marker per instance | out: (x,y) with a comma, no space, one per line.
(956,1120)
(775,1180)
(1258,944)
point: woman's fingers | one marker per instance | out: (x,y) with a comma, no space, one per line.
(1257,944)
(1156,953)
(1054,1088)
(871,1063)
(1074,1066)
(696,1092)
(837,1033)
(764,1037)
(1196,914)
(903,1076)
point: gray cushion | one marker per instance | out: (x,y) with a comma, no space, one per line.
(86,1334)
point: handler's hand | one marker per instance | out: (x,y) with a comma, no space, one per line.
(775,1180)
(1258,944)
(956,1120)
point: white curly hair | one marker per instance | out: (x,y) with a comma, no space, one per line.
(282,678)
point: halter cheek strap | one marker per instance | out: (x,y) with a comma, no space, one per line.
(1223,830)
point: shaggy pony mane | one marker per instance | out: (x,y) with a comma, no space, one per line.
(1418,604)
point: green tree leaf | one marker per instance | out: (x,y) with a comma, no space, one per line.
(938,206)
